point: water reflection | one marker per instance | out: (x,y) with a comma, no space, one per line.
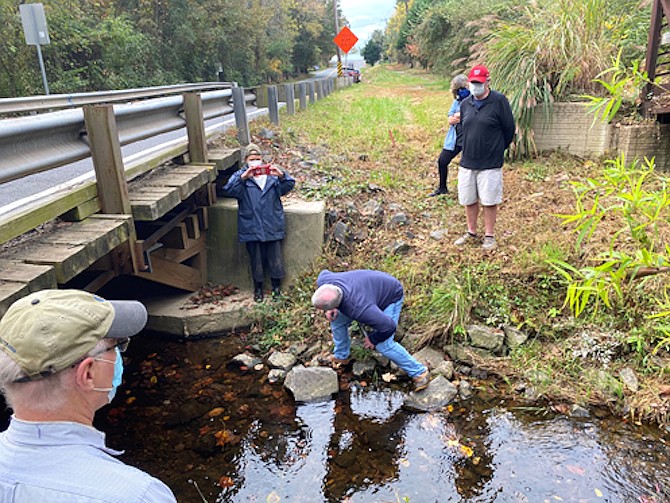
(363,447)
(284,466)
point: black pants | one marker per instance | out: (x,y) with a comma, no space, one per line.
(446,156)
(266,256)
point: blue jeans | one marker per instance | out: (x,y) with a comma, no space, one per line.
(388,348)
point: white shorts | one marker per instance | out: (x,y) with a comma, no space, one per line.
(480,185)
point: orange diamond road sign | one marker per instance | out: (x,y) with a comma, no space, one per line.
(346,39)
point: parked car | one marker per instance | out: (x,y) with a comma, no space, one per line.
(348,71)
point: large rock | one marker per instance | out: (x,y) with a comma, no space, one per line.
(311,384)
(282,360)
(514,337)
(486,338)
(430,357)
(439,393)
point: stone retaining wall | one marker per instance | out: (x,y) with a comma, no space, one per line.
(570,127)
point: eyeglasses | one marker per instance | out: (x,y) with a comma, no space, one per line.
(122,345)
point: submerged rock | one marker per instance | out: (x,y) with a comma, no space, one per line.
(246,360)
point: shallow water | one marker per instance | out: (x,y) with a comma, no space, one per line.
(219,434)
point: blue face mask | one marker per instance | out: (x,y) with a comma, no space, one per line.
(462,93)
(118,374)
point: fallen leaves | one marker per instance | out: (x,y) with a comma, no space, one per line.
(226,482)
(224,437)
(389,377)
(217,411)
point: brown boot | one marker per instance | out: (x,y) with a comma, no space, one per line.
(335,363)
(421,381)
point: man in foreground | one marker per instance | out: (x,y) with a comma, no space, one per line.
(488,129)
(372,298)
(60,361)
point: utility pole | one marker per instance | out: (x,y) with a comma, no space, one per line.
(337,30)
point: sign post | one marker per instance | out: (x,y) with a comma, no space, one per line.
(35,30)
(345,39)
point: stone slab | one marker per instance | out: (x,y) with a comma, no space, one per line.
(176,316)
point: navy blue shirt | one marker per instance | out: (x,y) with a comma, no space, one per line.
(488,129)
(365,295)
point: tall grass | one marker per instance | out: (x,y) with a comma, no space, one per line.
(554,49)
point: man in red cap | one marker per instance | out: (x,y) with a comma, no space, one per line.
(488,129)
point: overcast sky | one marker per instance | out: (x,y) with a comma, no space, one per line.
(366,16)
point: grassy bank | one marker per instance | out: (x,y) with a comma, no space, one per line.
(378,141)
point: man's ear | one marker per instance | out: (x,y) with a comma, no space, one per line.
(84,373)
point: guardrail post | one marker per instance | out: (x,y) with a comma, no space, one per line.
(240,109)
(310,92)
(195,128)
(105,147)
(319,90)
(302,94)
(273,104)
(289,95)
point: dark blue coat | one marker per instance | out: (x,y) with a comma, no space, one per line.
(260,214)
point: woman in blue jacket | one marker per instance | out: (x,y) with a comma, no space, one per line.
(453,141)
(260,216)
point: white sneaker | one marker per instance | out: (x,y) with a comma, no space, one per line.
(466,238)
(489,243)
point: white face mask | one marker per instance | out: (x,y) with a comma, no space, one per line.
(477,89)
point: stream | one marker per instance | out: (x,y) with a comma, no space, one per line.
(216,433)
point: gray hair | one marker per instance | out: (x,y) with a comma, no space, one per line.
(457,82)
(46,394)
(327,297)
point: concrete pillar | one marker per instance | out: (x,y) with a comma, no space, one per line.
(228,260)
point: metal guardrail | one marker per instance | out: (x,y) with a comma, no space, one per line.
(38,143)
(56,101)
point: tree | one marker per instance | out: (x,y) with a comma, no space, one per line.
(372,52)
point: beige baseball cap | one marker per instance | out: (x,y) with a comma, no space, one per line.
(50,330)
(251,149)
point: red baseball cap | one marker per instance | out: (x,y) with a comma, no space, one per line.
(479,73)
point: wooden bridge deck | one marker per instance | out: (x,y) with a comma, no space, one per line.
(163,240)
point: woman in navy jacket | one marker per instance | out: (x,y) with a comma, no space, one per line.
(260,216)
